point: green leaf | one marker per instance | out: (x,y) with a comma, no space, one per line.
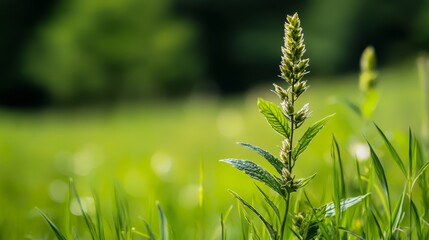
(270,229)
(270,202)
(352,233)
(256,172)
(420,173)
(377,224)
(275,162)
(392,151)
(302,182)
(51,224)
(275,117)
(381,176)
(89,222)
(398,213)
(149,231)
(308,136)
(416,215)
(329,208)
(163,224)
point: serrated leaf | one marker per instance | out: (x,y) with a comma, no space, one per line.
(275,116)
(392,151)
(270,229)
(308,136)
(344,204)
(275,162)
(256,172)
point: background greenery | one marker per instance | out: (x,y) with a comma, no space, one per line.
(80,52)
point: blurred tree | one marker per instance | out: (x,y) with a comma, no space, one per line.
(102,50)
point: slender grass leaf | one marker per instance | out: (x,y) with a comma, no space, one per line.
(398,212)
(256,172)
(223,219)
(55,229)
(380,175)
(308,136)
(275,162)
(270,202)
(163,224)
(98,215)
(352,233)
(329,208)
(420,173)
(410,152)
(138,233)
(89,222)
(149,231)
(121,220)
(353,106)
(392,151)
(338,179)
(275,117)
(359,175)
(377,224)
(269,227)
(418,226)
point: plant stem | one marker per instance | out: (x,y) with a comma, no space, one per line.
(289,166)
(285,217)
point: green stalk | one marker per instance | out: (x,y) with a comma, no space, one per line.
(285,216)
(290,166)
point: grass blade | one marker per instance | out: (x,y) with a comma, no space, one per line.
(392,151)
(89,223)
(256,172)
(329,208)
(398,213)
(379,170)
(274,116)
(270,202)
(149,231)
(418,226)
(269,227)
(352,233)
(121,219)
(420,173)
(308,136)
(377,224)
(54,228)
(275,162)
(100,225)
(163,224)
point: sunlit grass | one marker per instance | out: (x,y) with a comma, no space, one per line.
(153,151)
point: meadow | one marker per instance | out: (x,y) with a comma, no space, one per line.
(168,151)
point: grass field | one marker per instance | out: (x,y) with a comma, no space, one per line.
(168,151)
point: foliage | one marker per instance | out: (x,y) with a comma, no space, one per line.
(285,120)
(113,49)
